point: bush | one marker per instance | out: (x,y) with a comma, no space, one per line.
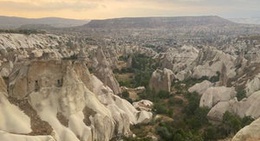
(232,122)
(193,99)
(164,133)
(161,108)
(175,101)
(125,94)
(241,94)
(163,94)
(23,31)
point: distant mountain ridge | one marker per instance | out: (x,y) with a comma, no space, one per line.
(255,20)
(16,22)
(159,22)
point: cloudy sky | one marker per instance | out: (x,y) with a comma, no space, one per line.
(102,9)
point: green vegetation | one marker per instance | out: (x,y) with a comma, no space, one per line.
(179,116)
(142,68)
(22,31)
(241,94)
(189,121)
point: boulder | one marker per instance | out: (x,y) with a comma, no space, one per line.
(143,105)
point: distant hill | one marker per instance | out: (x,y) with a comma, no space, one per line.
(255,20)
(159,22)
(16,22)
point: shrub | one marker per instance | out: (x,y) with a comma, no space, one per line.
(161,108)
(241,94)
(164,133)
(163,94)
(125,94)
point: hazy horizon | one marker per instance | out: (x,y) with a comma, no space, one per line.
(105,9)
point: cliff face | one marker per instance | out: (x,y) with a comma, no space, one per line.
(75,103)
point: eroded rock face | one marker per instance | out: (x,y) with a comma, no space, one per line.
(253,85)
(200,88)
(246,107)
(85,103)
(12,118)
(249,133)
(213,95)
(210,61)
(177,59)
(145,105)
(104,72)
(161,80)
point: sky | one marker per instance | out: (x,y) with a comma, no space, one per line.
(104,9)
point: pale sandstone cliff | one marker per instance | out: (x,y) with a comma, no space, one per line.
(67,88)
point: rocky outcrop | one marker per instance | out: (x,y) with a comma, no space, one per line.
(249,133)
(161,80)
(200,88)
(178,59)
(68,89)
(104,72)
(210,61)
(216,113)
(246,107)
(145,105)
(12,118)
(213,95)
(253,85)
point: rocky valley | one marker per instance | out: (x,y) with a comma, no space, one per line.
(175,78)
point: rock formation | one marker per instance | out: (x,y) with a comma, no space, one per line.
(213,95)
(210,61)
(104,72)
(246,107)
(253,85)
(200,88)
(67,89)
(161,80)
(179,59)
(249,133)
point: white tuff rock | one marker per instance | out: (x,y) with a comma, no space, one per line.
(213,95)
(200,88)
(161,80)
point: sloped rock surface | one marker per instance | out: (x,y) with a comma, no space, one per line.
(246,107)
(104,72)
(210,61)
(67,87)
(213,95)
(200,88)
(249,133)
(253,85)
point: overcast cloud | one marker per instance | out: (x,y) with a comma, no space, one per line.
(100,9)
